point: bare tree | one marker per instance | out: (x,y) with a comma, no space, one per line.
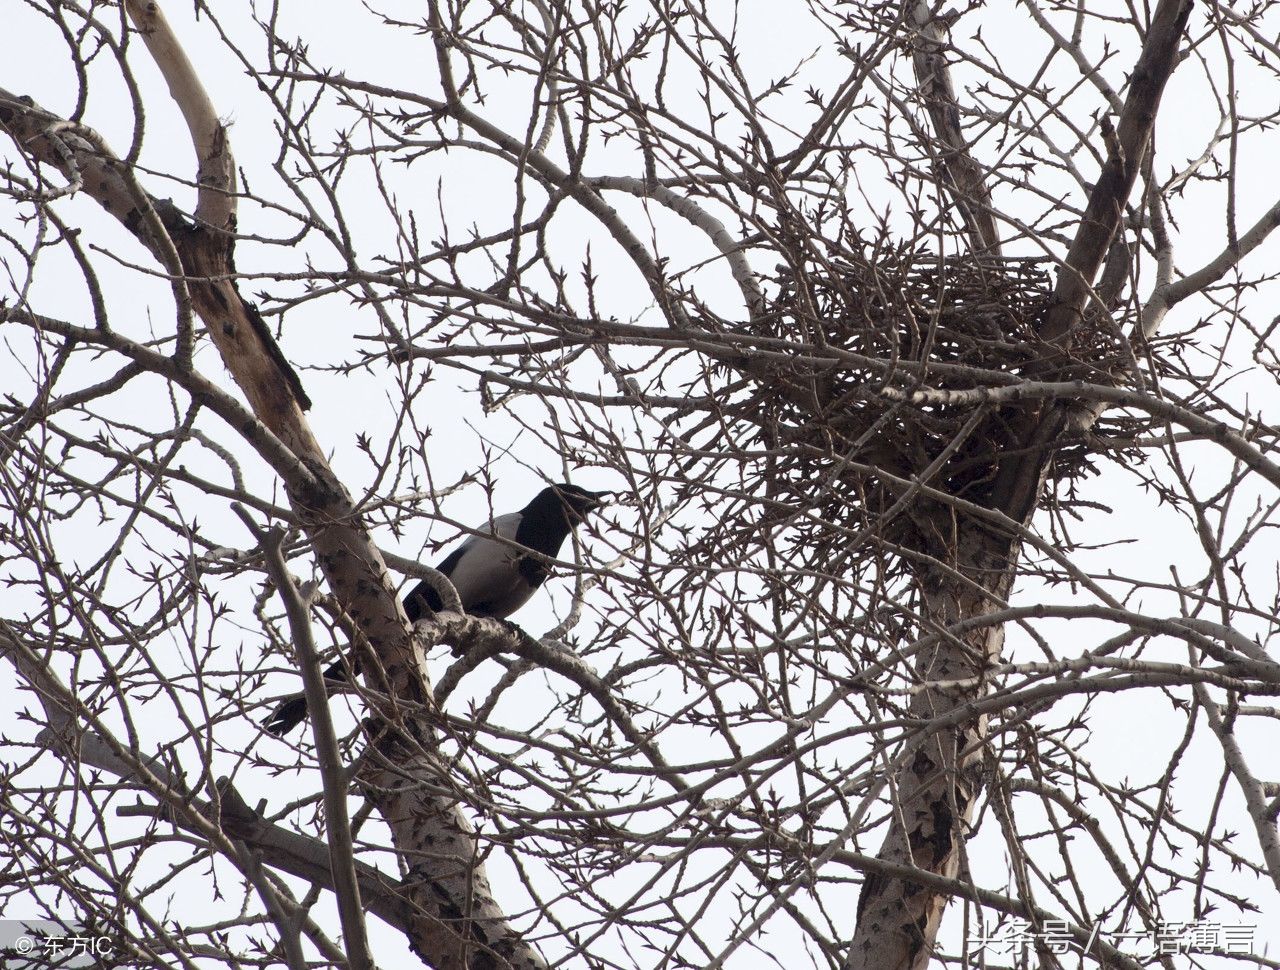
(931,620)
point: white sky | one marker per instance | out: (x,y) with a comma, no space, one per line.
(774,38)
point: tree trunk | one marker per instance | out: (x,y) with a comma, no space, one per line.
(936,790)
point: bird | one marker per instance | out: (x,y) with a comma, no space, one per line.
(493,577)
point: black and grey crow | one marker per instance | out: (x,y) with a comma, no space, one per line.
(493,577)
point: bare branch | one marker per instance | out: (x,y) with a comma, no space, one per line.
(215,166)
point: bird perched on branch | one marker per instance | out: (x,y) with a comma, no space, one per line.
(494,574)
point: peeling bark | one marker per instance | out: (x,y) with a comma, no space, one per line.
(936,792)
(455,922)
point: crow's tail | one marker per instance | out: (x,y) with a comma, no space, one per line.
(292,711)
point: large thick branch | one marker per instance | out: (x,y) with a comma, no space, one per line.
(1019,481)
(423,822)
(216,170)
(1126,150)
(964,178)
(247,347)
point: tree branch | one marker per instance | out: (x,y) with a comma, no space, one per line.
(337,823)
(216,168)
(1126,151)
(963,177)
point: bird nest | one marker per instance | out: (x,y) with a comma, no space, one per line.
(908,320)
